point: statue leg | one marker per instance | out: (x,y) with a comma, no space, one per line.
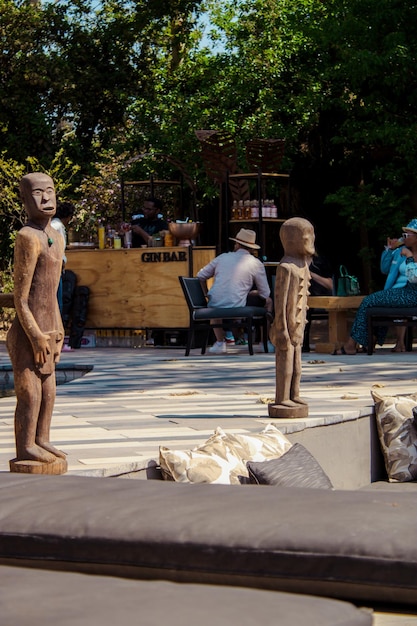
(28,390)
(284,376)
(45,416)
(296,378)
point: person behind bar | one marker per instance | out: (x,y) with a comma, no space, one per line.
(63,216)
(393,263)
(151,222)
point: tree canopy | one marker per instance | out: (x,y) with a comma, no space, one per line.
(101,83)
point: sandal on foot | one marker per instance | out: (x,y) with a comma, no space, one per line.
(342,352)
(339,352)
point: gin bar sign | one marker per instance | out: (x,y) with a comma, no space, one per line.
(164,257)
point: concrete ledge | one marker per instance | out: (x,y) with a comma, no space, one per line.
(64,372)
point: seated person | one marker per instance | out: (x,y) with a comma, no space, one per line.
(390,259)
(395,297)
(63,216)
(235,273)
(321,284)
(393,263)
(148,224)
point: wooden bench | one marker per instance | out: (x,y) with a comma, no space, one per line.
(338,309)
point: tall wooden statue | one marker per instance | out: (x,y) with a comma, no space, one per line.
(35,338)
(291,291)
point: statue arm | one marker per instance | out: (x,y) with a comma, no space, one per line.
(27,250)
(282,286)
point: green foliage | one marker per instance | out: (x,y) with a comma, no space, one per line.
(12,215)
(100,197)
(11,212)
(101,84)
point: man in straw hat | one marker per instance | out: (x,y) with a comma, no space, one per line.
(235,275)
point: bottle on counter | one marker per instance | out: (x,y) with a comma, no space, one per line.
(110,237)
(71,235)
(101,236)
(128,239)
(156,241)
(169,240)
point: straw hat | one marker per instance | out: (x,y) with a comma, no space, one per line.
(246,238)
(411,226)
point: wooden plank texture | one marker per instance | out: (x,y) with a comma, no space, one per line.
(334,302)
(136,288)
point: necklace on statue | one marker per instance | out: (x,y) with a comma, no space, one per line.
(33,225)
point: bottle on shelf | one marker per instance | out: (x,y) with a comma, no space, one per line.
(266,208)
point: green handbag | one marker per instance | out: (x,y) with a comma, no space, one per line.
(347,285)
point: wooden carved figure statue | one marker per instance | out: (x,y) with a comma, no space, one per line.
(35,338)
(291,292)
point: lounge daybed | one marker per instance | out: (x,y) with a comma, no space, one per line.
(41,597)
(342,544)
(128,536)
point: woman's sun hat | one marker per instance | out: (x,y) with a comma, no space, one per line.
(247,238)
(411,226)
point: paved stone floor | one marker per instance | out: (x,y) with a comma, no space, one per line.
(135,400)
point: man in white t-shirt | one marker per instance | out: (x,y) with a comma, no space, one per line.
(236,274)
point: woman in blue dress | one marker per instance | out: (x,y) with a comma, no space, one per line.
(405,296)
(393,263)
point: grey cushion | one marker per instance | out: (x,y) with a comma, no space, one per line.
(49,598)
(295,468)
(397,430)
(229,313)
(344,544)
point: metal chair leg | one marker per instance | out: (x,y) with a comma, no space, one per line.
(250,336)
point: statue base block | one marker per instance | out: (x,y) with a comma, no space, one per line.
(60,466)
(288,412)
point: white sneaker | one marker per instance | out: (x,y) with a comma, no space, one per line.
(218,348)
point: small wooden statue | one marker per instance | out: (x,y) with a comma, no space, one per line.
(287,332)
(35,338)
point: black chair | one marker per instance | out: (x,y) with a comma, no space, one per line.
(201,316)
(389,316)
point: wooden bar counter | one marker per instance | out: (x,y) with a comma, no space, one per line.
(137,288)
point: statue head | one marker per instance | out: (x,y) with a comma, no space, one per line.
(297,237)
(37,191)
